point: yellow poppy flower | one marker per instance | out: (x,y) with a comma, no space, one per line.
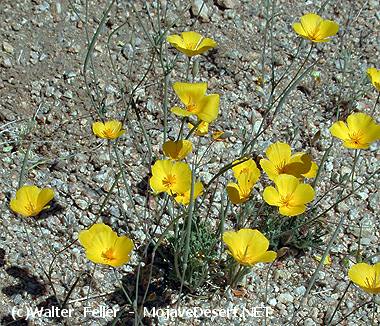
(103,246)
(193,96)
(184,198)
(359,131)
(191,43)
(31,200)
(374,75)
(316,29)
(245,167)
(366,276)
(248,247)
(177,150)
(170,177)
(289,195)
(281,161)
(108,130)
(241,191)
(202,128)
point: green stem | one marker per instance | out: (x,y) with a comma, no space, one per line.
(374,107)
(321,165)
(295,76)
(357,151)
(188,232)
(319,267)
(188,67)
(339,303)
(181,128)
(193,129)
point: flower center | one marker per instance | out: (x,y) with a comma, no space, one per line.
(169,181)
(356,138)
(285,200)
(372,282)
(108,133)
(108,255)
(280,168)
(192,46)
(192,107)
(30,208)
(243,256)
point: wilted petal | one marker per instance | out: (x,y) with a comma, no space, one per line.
(177,150)
(233,192)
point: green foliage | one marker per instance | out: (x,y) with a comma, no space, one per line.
(202,255)
(290,232)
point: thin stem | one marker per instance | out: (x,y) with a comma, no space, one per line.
(346,316)
(374,107)
(357,151)
(92,45)
(321,165)
(165,105)
(193,129)
(188,232)
(236,277)
(339,303)
(296,75)
(266,290)
(373,310)
(319,267)
(188,67)
(181,128)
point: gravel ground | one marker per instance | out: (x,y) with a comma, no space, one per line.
(43,47)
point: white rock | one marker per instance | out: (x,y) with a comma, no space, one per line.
(200,8)
(300,290)
(272,302)
(285,297)
(227,4)
(8,48)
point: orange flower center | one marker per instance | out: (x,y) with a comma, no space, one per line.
(285,200)
(169,181)
(280,168)
(108,255)
(356,138)
(192,107)
(245,192)
(30,208)
(193,45)
(108,133)
(245,170)
(373,282)
(244,258)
